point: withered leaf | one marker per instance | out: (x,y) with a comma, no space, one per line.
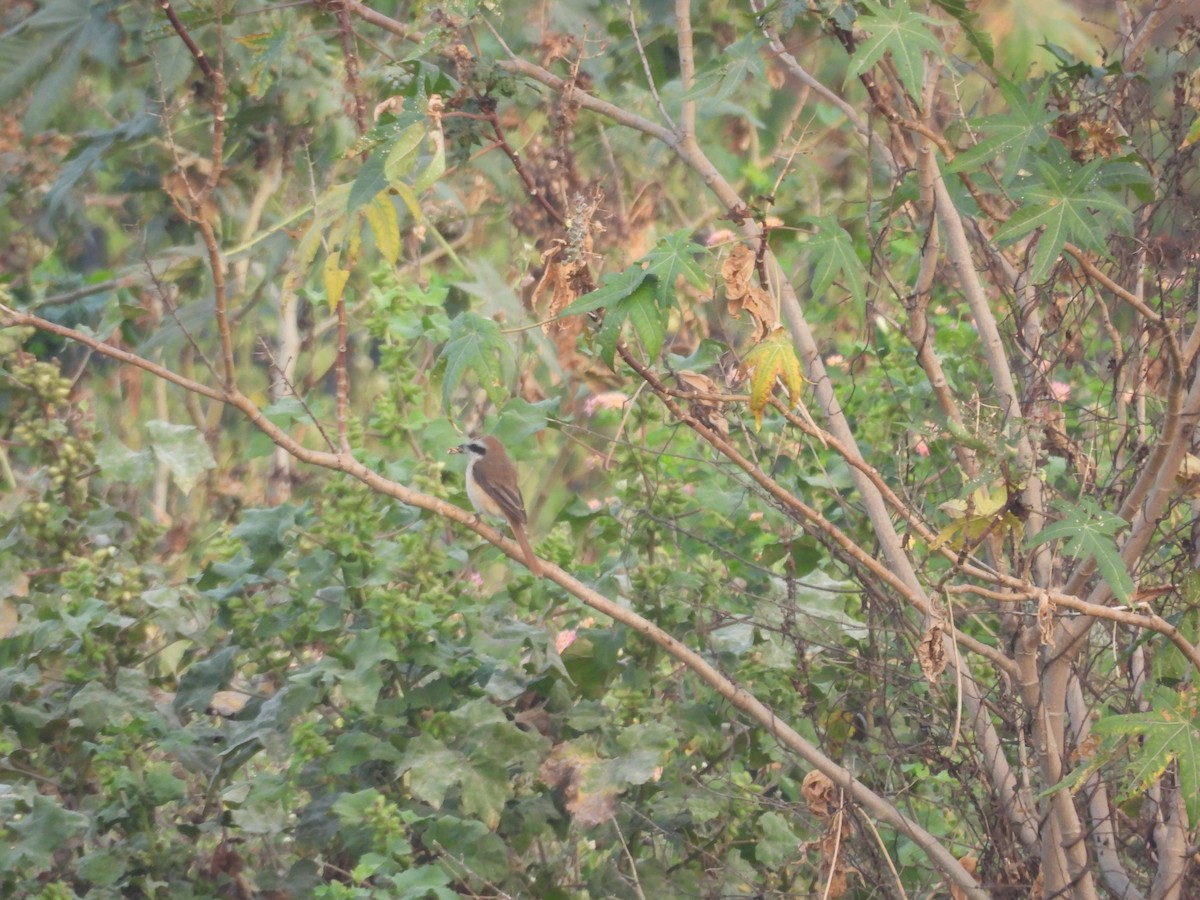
(931,653)
(819,793)
(742,293)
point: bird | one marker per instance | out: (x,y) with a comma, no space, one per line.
(493,490)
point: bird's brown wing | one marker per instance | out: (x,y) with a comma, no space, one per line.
(507,498)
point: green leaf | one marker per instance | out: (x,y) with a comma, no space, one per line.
(48,49)
(183,450)
(739,63)
(777,845)
(371,181)
(366,650)
(672,257)
(969,20)
(476,345)
(1170,732)
(419,882)
(1087,531)
(472,847)
(118,463)
(613,287)
(648,318)
(401,156)
(484,790)
(832,252)
(640,309)
(432,769)
(102,868)
(33,829)
(902,33)
(263,531)
(1068,206)
(1012,134)
(203,679)
(354,807)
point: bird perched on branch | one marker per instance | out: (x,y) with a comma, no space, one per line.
(493,490)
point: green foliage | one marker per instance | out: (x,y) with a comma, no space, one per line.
(1167,736)
(1068,204)
(476,345)
(904,35)
(834,258)
(1010,135)
(1087,532)
(1171,733)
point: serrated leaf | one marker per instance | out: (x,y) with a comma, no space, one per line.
(832,252)
(329,210)
(334,277)
(774,357)
(1011,134)
(183,450)
(672,257)
(902,33)
(639,309)
(1068,207)
(969,20)
(476,345)
(739,63)
(1168,733)
(432,769)
(385,225)
(777,844)
(1087,532)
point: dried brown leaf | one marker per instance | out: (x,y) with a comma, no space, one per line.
(567,769)
(1045,619)
(742,293)
(931,653)
(971,864)
(819,793)
(1188,476)
(736,272)
(711,412)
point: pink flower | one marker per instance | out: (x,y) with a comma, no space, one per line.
(921,448)
(605,400)
(564,639)
(1060,391)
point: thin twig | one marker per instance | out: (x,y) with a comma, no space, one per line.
(637,40)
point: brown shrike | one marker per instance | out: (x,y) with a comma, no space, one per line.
(493,490)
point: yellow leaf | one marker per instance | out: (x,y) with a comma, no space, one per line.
(767,360)
(385,226)
(984,511)
(335,278)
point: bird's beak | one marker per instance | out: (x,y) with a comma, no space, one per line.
(461,448)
